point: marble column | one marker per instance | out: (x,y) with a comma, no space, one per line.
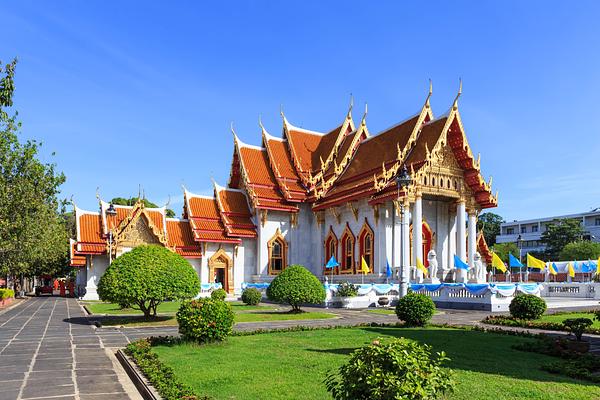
(461,274)
(451,244)
(472,240)
(417,220)
(405,248)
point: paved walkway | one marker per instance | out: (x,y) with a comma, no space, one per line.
(44,355)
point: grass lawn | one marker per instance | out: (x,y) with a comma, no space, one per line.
(279,316)
(560,317)
(292,365)
(385,311)
(170,307)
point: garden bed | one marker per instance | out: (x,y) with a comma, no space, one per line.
(552,322)
(286,365)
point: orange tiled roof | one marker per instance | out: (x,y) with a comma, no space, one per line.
(234,211)
(89,233)
(285,173)
(181,239)
(357,179)
(76,259)
(308,147)
(261,185)
(205,220)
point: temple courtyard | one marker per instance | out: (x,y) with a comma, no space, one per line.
(51,348)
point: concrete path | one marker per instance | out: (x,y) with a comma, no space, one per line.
(46,352)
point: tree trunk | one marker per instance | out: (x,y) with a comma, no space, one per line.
(144,309)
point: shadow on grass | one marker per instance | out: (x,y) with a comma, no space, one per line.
(116,320)
(476,351)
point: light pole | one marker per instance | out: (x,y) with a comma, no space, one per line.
(520,244)
(403,179)
(112,212)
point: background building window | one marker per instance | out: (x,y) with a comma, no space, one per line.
(510,231)
(347,261)
(523,229)
(534,228)
(366,245)
(277,253)
(597,222)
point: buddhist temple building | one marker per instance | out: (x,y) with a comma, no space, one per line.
(303,196)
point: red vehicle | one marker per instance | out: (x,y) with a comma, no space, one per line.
(45,287)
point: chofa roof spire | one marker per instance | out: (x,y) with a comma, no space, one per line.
(455,104)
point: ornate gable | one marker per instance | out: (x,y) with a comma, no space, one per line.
(138,229)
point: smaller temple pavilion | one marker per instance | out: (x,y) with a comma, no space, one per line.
(304,196)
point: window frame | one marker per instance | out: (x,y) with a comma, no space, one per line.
(347,236)
(366,231)
(279,239)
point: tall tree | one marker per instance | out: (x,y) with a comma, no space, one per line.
(559,233)
(503,249)
(32,233)
(122,201)
(489,223)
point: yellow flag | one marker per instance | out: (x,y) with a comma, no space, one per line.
(364,268)
(533,262)
(598,266)
(497,263)
(571,270)
(552,269)
(421,267)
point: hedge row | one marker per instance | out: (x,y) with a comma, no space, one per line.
(6,293)
(551,326)
(161,376)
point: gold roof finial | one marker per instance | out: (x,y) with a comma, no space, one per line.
(98,193)
(168,202)
(429,94)
(235,138)
(260,124)
(351,106)
(364,118)
(455,105)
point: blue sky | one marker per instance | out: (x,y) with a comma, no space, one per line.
(143,93)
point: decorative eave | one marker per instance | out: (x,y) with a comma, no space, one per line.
(363,132)
(225,216)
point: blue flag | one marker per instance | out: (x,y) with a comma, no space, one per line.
(388,270)
(458,263)
(514,261)
(332,263)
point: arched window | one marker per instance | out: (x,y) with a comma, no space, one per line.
(277,253)
(331,249)
(347,261)
(365,238)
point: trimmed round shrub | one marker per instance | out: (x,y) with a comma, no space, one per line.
(577,326)
(295,286)
(527,306)
(219,294)
(251,296)
(205,320)
(398,369)
(347,289)
(415,309)
(146,276)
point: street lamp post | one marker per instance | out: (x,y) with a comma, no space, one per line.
(110,211)
(520,244)
(403,180)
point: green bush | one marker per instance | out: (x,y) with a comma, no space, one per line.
(415,309)
(398,369)
(580,250)
(218,294)
(251,296)
(146,276)
(205,320)
(577,326)
(347,289)
(6,293)
(296,286)
(161,376)
(527,306)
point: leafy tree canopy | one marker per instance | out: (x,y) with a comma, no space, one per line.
(489,223)
(121,201)
(581,250)
(146,276)
(559,233)
(503,249)
(33,233)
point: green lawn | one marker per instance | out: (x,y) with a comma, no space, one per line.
(560,317)
(385,311)
(169,307)
(292,365)
(279,316)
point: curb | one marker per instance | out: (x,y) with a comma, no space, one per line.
(15,304)
(142,385)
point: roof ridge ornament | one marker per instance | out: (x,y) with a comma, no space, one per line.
(455,104)
(363,122)
(351,106)
(427,105)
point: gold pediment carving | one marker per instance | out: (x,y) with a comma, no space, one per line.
(137,233)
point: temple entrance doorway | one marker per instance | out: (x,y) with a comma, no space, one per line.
(427,242)
(220,270)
